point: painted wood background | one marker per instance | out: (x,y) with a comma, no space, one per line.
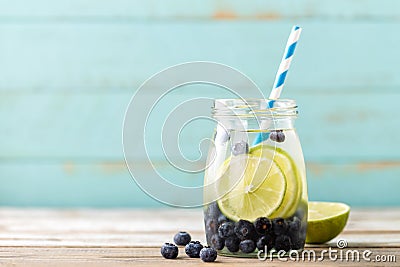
(69,68)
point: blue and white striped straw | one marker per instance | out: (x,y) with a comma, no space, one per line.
(285,63)
(281,74)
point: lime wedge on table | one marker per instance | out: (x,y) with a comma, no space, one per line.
(325,221)
(267,185)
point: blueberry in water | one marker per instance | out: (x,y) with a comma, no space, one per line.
(211,225)
(247,246)
(279,225)
(267,241)
(296,241)
(283,242)
(294,225)
(232,243)
(263,225)
(277,136)
(222,219)
(208,254)
(245,230)
(217,242)
(169,251)
(193,249)
(182,238)
(241,147)
(226,229)
(213,210)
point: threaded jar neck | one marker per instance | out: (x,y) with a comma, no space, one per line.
(255,108)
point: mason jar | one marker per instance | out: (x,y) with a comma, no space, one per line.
(256,199)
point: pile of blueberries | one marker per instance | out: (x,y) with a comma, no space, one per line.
(194,249)
(278,233)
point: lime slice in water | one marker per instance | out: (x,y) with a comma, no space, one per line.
(293,178)
(267,185)
(325,221)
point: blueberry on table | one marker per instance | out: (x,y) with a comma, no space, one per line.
(279,225)
(232,243)
(283,242)
(247,246)
(266,242)
(245,230)
(182,238)
(263,225)
(226,229)
(217,242)
(277,136)
(169,251)
(193,249)
(208,254)
(241,147)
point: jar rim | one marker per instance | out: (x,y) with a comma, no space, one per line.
(263,107)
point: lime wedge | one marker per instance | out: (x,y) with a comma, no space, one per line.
(266,185)
(325,221)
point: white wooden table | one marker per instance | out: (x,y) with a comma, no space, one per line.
(128,237)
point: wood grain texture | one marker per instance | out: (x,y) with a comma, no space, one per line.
(87,237)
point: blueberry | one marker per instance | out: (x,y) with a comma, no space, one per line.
(193,249)
(182,238)
(283,242)
(241,147)
(263,225)
(247,246)
(297,241)
(222,219)
(211,225)
(217,242)
(213,210)
(277,136)
(279,225)
(169,251)
(245,230)
(266,241)
(208,254)
(232,243)
(226,230)
(294,225)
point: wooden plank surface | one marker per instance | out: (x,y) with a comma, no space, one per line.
(121,237)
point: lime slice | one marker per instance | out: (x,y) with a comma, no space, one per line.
(293,177)
(266,184)
(259,191)
(325,221)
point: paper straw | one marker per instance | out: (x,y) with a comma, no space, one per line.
(285,63)
(281,74)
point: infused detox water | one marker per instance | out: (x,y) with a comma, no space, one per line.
(256,198)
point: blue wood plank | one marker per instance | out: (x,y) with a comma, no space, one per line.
(199,9)
(108,184)
(89,126)
(332,56)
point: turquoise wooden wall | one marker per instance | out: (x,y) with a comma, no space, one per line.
(69,68)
